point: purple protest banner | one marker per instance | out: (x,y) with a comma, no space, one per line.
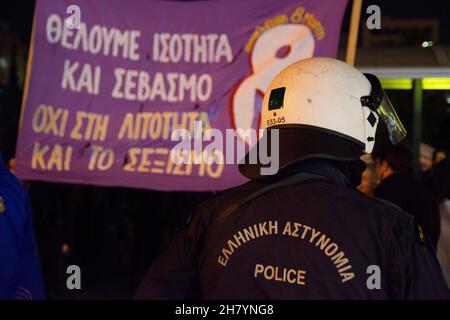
(110,81)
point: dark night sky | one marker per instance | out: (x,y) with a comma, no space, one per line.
(415,9)
(19,13)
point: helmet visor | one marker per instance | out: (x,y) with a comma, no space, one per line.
(379,102)
(390,118)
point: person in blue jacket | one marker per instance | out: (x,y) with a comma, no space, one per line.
(20,271)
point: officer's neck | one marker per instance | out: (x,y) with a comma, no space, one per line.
(343,173)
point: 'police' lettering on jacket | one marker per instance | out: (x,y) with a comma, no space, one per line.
(291,229)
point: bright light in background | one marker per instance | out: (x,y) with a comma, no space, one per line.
(436,83)
(397,84)
(407,84)
(427,44)
(448,99)
(3,62)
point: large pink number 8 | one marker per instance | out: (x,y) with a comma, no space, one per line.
(274,50)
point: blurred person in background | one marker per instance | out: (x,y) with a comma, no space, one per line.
(20,271)
(393,166)
(368,178)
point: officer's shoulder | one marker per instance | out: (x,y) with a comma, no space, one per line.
(209,208)
(386,207)
(222,197)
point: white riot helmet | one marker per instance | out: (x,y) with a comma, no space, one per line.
(325,108)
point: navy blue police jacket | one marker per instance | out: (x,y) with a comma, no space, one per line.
(20,271)
(318,239)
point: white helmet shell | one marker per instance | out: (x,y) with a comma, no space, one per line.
(324,93)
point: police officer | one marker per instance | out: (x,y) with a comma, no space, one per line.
(306,232)
(20,272)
